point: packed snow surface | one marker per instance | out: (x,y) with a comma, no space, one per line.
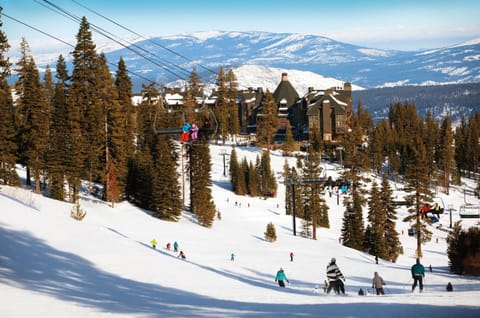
(104,266)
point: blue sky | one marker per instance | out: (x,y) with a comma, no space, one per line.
(392,24)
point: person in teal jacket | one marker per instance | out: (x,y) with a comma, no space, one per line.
(418,272)
(281,277)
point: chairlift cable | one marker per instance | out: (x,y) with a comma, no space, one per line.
(138,34)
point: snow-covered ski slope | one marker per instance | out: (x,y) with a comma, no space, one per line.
(54,266)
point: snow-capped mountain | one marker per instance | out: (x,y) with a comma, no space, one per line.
(168,58)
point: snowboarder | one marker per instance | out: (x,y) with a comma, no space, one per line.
(154,243)
(194,132)
(175,246)
(291,256)
(378,283)
(418,273)
(281,277)
(182,255)
(335,278)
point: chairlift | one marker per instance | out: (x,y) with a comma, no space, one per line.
(469,211)
(208,128)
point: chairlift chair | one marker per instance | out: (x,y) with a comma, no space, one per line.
(204,130)
(469,211)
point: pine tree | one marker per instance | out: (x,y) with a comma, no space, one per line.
(234,169)
(312,200)
(394,247)
(377,217)
(57,156)
(268,184)
(446,152)
(8,146)
(242,181)
(81,106)
(267,120)
(353,227)
(270,233)
(202,204)
(166,193)
(233,121)
(123,85)
(33,115)
(417,187)
(253,180)
(221,106)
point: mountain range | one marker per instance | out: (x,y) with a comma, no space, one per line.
(169,58)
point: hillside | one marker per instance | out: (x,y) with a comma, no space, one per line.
(456,100)
(104,266)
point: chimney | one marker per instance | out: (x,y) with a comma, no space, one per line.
(347,86)
(284,77)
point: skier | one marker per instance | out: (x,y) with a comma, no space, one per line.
(175,246)
(335,277)
(154,243)
(194,132)
(449,287)
(281,277)
(185,132)
(291,256)
(232,257)
(378,283)
(182,255)
(418,273)
(168,246)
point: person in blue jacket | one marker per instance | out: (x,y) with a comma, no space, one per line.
(418,273)
(281,277)
(186,129)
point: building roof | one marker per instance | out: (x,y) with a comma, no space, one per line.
(285,92)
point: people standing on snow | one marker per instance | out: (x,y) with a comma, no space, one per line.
(378,283)
(154,243)
(169,246)
(281,277)
(175,246)
(418,273)
(232,257)
(335,278)
(291,256)
(182,255)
